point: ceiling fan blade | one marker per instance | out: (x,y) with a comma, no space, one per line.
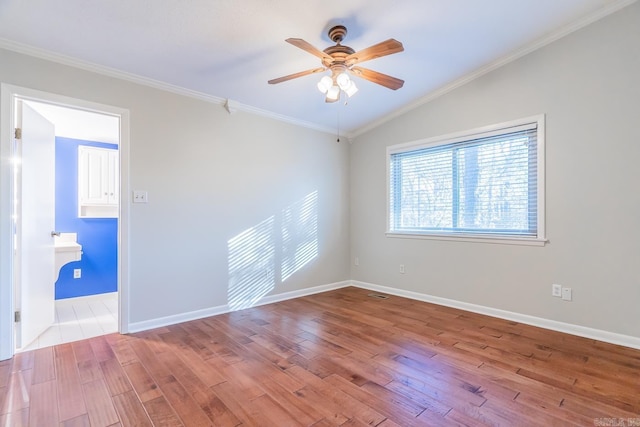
(376,77)
(309,48)
(296,75)
(384,48)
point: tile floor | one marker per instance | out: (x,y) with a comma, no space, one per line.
(80,318)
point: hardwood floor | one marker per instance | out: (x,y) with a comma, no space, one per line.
(337,358)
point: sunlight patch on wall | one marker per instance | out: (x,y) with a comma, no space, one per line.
(251,265)
(299,234)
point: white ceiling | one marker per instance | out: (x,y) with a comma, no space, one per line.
(80,124)
(226,49)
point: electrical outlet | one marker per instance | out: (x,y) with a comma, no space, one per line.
(356,261)
(556,290)
(402,268)
(566,294)
(77,273)
(140,196)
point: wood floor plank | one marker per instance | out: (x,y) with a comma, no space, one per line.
(15,396)
(442,386)
(88,367)
(339,358)
(43,406)
(18,418)
(124,353)
(278,348)
(215,409)
(23,361)
(209,370)
(591,409)
(340,403)
(190,413)
(243,381)
(398,400)
(321,345)
(114,376)
(298,407)
(146,351)
(365,369)
(70,394)
(246,412)
(335,337)
(99,404)
(145,387)
(44,366)
(130,410)
(277,415)
(161,413)
(261,371)
(316,391)
(387,409)
(5,372)
(79,421)
(390,423)
(268,355)
(440,406)
(101,349)
(184,373)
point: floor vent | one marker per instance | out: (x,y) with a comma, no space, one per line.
(378,296)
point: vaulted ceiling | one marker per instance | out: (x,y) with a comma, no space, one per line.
(229,49)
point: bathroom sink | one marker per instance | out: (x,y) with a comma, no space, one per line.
(68,246)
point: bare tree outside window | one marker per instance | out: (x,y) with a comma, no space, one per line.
(482,185)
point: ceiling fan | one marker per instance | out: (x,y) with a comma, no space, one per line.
(341,61)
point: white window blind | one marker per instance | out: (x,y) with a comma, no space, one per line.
(480,184)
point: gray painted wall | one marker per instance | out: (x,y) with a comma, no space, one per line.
(210,176)
(588,86)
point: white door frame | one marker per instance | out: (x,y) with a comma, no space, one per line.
(8,94)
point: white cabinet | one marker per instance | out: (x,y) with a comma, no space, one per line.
(98,182)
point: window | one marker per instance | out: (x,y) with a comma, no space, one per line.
(485,184)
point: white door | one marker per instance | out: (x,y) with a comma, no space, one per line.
(35,223)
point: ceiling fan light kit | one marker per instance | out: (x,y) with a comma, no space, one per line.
(325,84)
(331,86)
(351,88)
(341,61)
(333,94)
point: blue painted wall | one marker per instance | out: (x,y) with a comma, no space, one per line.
(98,236)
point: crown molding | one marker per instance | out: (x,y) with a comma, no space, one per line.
(237,106)
(537,44)
(156,84)
(179,90)
(106,71)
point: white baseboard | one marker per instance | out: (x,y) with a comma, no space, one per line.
(221,309)
(582,331)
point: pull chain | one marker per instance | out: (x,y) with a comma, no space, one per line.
(338,125)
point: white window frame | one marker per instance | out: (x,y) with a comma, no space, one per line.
(486,131)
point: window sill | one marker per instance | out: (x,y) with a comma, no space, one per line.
(481,238)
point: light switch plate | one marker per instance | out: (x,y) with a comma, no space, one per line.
(566,294)
(140,196)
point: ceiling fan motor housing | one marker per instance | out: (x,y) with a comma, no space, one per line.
(338,53)
(337,33)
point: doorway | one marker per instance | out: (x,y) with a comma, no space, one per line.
(35,305)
